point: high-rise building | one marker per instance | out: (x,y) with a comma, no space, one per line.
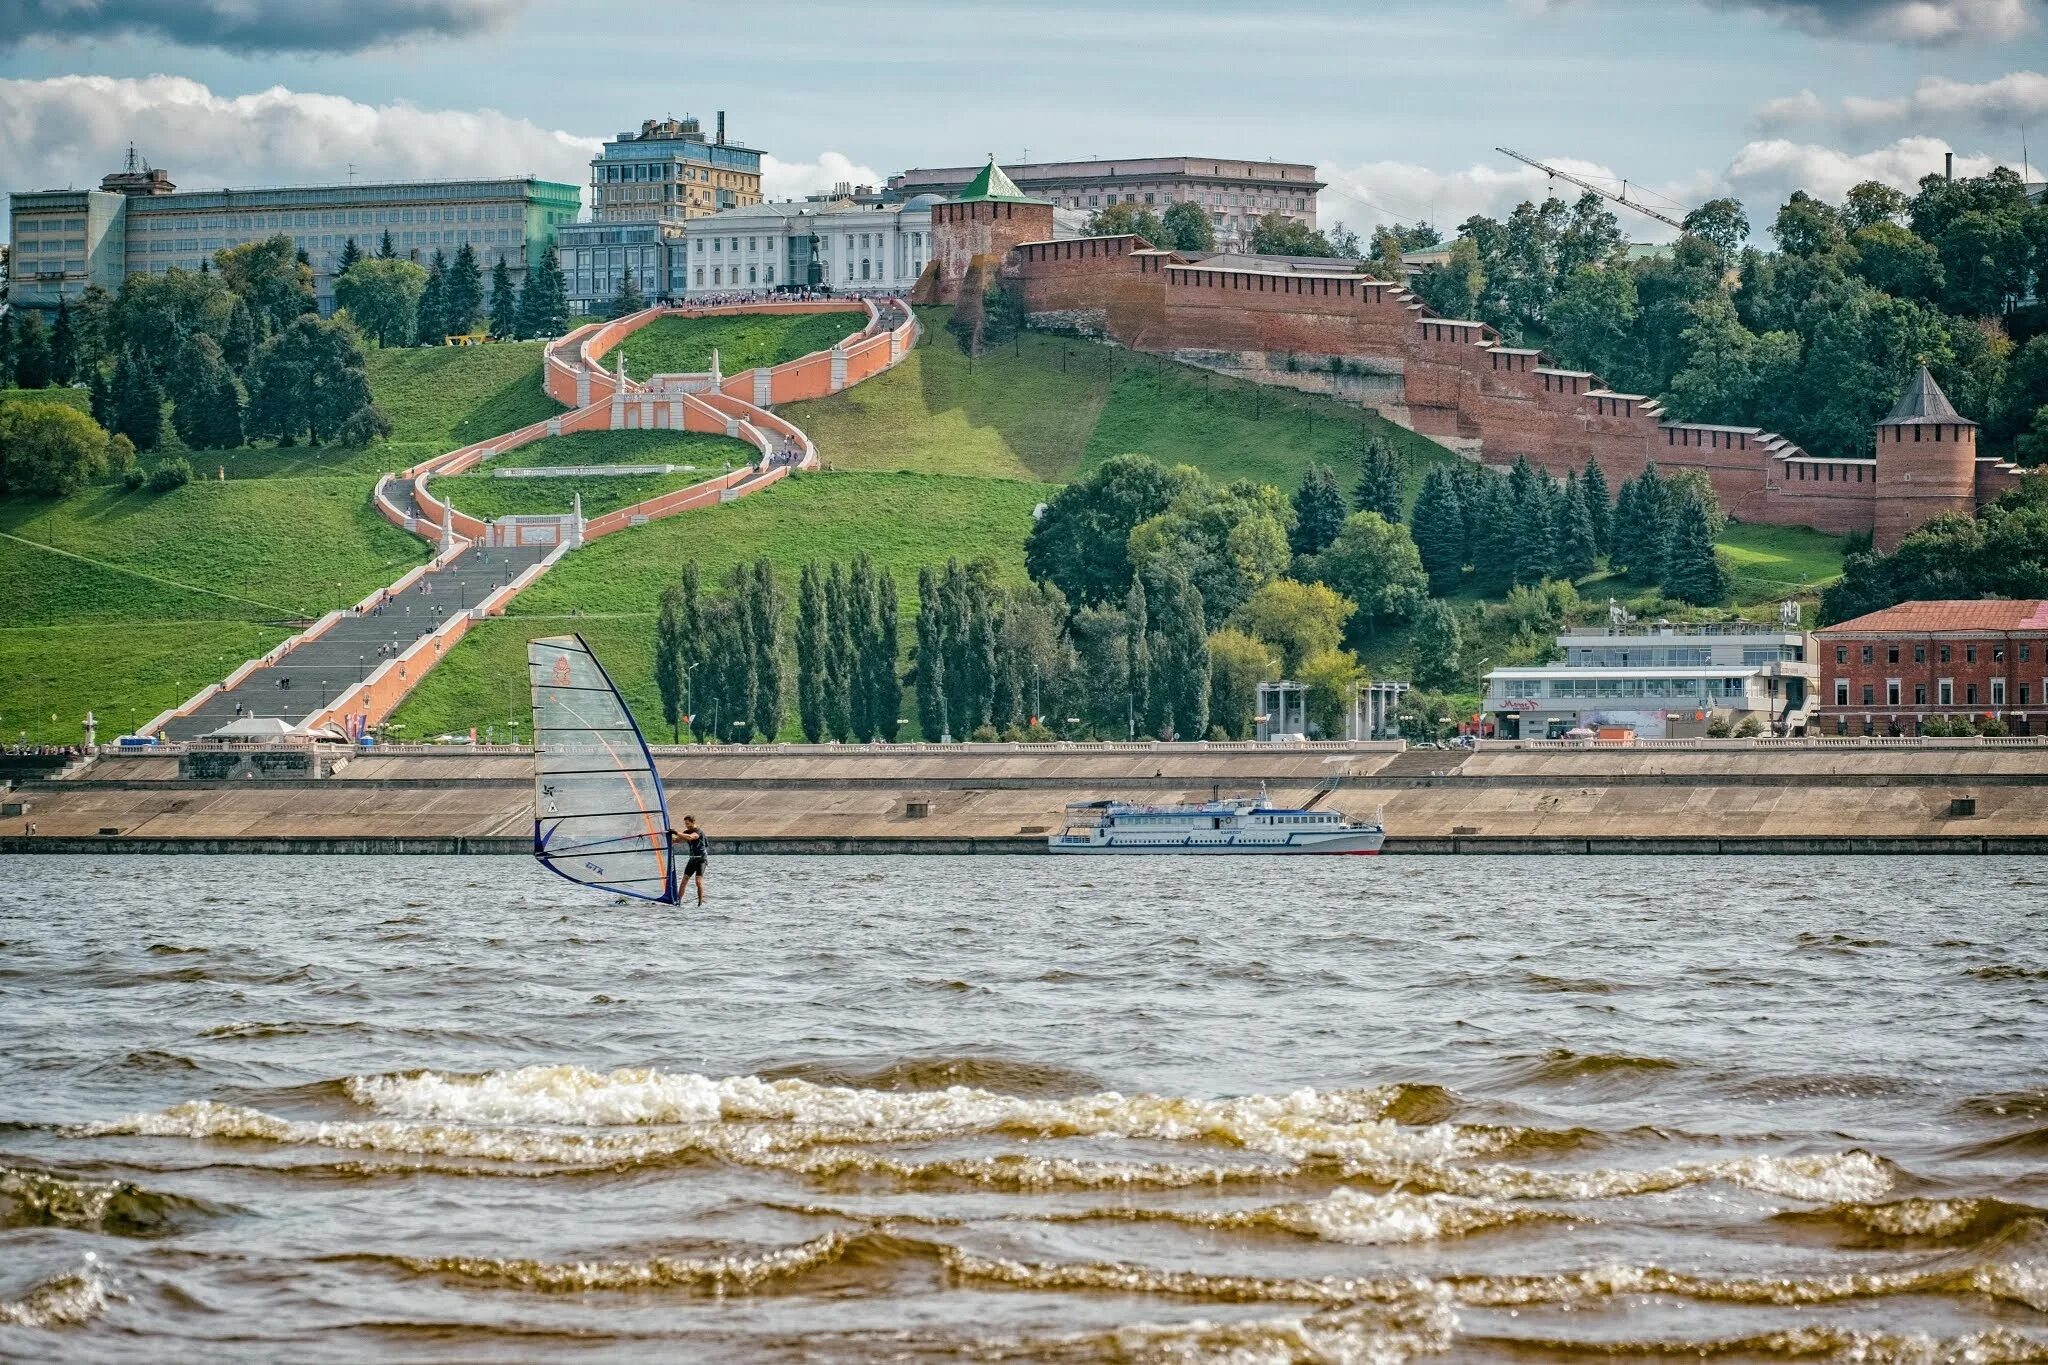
(669,171)
(1236,194)
(138,222)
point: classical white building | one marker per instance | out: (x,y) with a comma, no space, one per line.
(836,243)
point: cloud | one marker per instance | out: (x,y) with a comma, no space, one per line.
(1790,111)
(1937,101)
(71,130)
(250,26)
(1922,23)
(1764,174)
(1396,191)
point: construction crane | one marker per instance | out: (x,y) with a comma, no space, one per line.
(1621,199)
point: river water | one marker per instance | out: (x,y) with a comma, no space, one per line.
(1006,1108)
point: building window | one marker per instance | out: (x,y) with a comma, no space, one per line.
(1891,655)
(1998,691)
(1919,654)
(1841,691)
(1969,654)
(2026,698)
(1920,694)
(2026,653)
(1866,653)
(1946,654)
(1998,654)
(1891,691)
(1969,694)
(1869,694)
(1841,654)
(700,273)
(1944,692)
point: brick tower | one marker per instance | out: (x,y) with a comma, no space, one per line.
(978,227)
(1926,462)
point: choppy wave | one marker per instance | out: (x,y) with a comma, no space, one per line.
(1344,1215)
(35,1198)
(1909,1222)
(1822,1341)
(68,1300)
(715,1274)
(1009,1075)
(1360,1335)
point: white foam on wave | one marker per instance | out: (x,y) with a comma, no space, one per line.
(68,1300)
(1821,1177)
(1358,1218)
(1299,1125)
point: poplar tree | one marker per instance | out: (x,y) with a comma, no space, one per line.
(1599,506)
(888,697)
(668,660)
(1180,652)
(1318,511)
(432,326)
(1383,483)
(810,653)
(138,403)
(462,305)
(350,254)
(696,647)
(1439,530)
(1137,653)
(1437,642)
(860,613)
(838,658)
(765,603)
(504,302)
(63,346)
(931,656)
(733,653)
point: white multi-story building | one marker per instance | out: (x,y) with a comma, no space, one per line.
(1660,679)
(837,244)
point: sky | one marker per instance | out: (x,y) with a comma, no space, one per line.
(1399,103)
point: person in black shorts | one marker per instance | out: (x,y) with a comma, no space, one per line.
(695,847)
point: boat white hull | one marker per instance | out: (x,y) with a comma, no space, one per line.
(1354,842)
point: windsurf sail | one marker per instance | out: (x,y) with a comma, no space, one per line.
(598,814)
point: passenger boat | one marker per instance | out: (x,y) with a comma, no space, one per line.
(1231,825)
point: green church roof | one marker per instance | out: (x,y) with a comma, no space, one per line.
(993,187)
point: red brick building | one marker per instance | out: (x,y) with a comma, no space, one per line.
(1885,673)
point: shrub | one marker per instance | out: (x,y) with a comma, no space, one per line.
(1991,727)
(1933,727)
(984,734)
(1749,728)
(120,455)
(172,473)
(133,480)
(1717,728)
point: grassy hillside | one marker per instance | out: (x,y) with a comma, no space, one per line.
(743,341)
(452,395)
(701,449)
(1047,407)
(608,591)
(70,398)
(486,495)
(1779,561)
(50,676)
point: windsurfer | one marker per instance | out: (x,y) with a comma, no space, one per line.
(695,846)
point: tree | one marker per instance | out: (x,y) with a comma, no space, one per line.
(463,302)
(1691,571)
(99,394)
(1344,243)
(92,322)
(1374,563)
(1592,321)
(431,326)
(838,657)
(1332,678)
(669,674)
(239,340)
(383,296)
(1179,648)
(1891,259)
(154,314)
(810,652)
(270,277)
(544,304)
(1226,541)
(1489,509)
(930,663)
(138,403)
(32,359)
(694,617)
(1102,683)
(1806,226)
(48,450)
(1535,533)
(1295,619)
(385,250)
(207,408)
(1123,217)
(1599,506)
(170,474)
(1318,511)
(1238,663)
(350,254)
(1578,549)
(1137,653)
(765,603)
(309,381)
(1984,257)
(1438,643)
(1454,288)
(504,302)
(628,298)
(860,625)
(1187,227)
(6,354)
(1438,528)
(1081,542)
(1641,526)
(63,347)
(1872,203)
(1720,223)
(1275,234)
(888,698)
(1382,480)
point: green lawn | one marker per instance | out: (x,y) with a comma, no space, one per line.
(697,448)
(452,395)
(1776,561)
(1047,407)
(743,341)
(487,495)
(297,546)
(123,673)
(608,590)
(70,398)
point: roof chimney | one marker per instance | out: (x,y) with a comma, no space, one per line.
(721,129)
(1948,161)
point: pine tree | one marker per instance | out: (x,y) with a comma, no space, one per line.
(138,403)
(1318,511)
(385,250)
(1438,643)
(838,658)
(31,351)
(240,344)
(931,656)
(1535,549)
(1691,572)
(433,310)
(350,254)
(668,660)
(1577,549)
(99,391)
(1138,653)
(1439,530)
(1641,526)
(544,306)
(888,697)
(7,356)
(463,300)
(860,621)
(1383,482)
(810,653)
(504,301)
(1599,505)
(207,408)
(1494,555)
(764,620)
(628,299)
(63,346)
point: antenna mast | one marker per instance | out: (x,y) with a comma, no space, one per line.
(1621,199)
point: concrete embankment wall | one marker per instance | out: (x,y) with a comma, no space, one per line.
(799,799)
